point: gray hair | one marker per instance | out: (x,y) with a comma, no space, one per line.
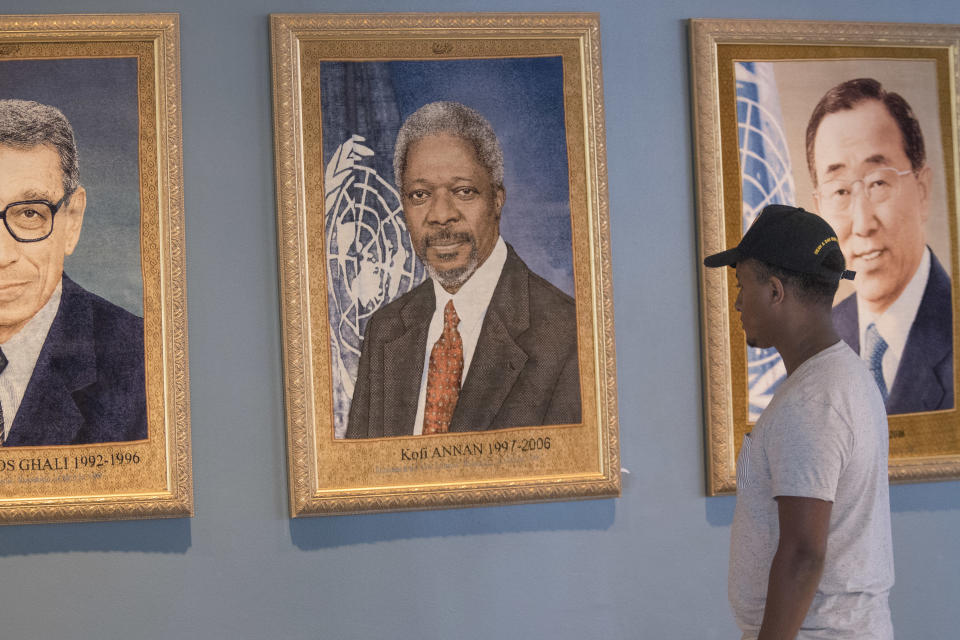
(457,120)
(25,124)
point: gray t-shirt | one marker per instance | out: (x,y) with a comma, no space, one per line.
(823,435)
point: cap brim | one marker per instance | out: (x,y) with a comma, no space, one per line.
(723,259)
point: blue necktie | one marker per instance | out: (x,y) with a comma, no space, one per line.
(875,346)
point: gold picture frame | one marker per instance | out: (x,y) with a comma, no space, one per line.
(738,65)
(334,475)
(116,79)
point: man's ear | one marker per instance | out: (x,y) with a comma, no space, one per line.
(775,290)
(72,216)
(924,179)
(500,198)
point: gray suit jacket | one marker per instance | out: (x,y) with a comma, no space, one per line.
(524,371)
(924,380)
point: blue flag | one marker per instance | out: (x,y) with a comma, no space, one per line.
(369,256)
(767,178)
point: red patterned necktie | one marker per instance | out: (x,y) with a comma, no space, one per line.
(443,376)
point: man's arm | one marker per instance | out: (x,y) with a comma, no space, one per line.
(797,565)
(564,407)
(358,420)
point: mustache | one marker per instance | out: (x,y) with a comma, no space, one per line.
(445,236)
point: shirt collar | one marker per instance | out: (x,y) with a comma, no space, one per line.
(22,352)
(894,323)
(31,337)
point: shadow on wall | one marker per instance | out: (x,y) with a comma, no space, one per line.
(337,531)
(148,536)
(720,510)
(929,496)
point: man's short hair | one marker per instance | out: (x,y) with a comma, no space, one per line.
(454,119)
(810,288)
(25,124)
(851,93)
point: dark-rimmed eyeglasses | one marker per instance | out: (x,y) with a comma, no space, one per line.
(31,220)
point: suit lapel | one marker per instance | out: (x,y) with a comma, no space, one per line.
(928,353)
(405,352)
(497,359)
(50,411)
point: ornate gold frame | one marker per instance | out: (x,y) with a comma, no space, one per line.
(715,44)
(159,483)
(327,476)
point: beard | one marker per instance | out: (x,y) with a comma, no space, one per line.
(454,277)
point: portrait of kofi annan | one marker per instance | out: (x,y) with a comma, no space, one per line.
(71,363)
(483,343)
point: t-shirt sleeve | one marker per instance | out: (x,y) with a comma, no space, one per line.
(807,450)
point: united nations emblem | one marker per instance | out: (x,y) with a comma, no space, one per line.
(370,260)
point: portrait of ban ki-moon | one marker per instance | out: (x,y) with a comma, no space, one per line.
(867,140)
(457,304)
(81,273)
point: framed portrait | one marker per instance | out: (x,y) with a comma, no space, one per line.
(856,122)
(94,401)
(444,260)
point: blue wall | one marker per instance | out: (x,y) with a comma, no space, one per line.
(649,565)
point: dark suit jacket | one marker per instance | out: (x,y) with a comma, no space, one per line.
(524,370)
(924,380)
(88,385)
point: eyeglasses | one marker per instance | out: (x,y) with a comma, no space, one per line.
(31,220)
(878,186)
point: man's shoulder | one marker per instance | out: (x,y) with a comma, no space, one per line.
(419,295)
(91,373)
(105,321)
(542,293)
(938,288)
(545,299)
(932,329)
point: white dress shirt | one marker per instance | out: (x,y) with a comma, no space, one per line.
(471,302)
(894,323)
(22,351)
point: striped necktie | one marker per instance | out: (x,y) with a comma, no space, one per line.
(875,346)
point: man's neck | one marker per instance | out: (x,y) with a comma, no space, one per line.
(810,334)
(919,273)
(7,333)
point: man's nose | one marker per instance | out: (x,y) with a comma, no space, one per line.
(9,247)
(863,215)
(736,303)
(443,209)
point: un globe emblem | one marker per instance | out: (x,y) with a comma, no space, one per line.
(767,178)
(370,259)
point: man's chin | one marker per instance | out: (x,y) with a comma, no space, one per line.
(757,344)
(12,292)
(878,296)
(452,278)
(11,321)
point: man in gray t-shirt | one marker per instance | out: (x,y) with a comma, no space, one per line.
(811,553)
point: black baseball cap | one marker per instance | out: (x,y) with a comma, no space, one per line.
(786,237)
